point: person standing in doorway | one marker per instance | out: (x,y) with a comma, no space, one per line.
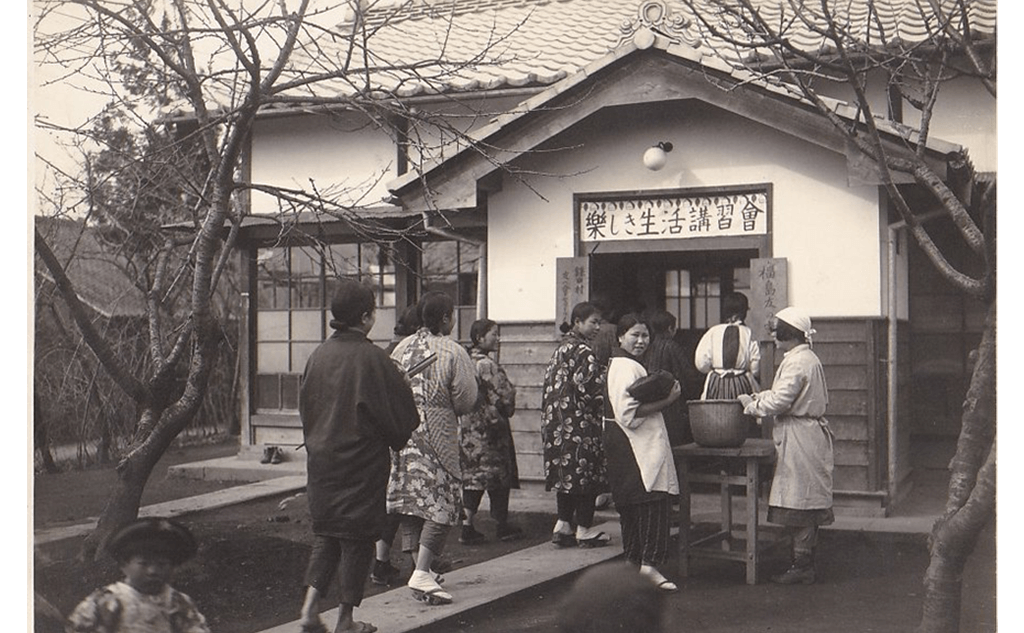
(426,477)
(571,407)
(349,431)
(730,356)
(485,437)
(801,493)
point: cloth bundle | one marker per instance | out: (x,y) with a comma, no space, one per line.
(652,387)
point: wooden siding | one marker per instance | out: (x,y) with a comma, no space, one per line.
(852,352)
(526,348)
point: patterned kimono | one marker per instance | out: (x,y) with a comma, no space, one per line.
(485,436)
(119,608)
(571,411)
(426,475)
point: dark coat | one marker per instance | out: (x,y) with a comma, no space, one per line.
(665,353)
(356,406)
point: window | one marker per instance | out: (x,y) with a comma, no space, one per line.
(451,267)
(694,296)
(294,286)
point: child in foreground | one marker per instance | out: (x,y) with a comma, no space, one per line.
(148,551)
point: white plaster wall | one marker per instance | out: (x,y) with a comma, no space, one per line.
(966,114)
(829,232)
(349,154)
(342,154)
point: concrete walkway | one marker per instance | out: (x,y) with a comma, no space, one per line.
(396,611)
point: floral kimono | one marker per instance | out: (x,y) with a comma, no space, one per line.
(571,412)
(119,608)
(426,476)
(485,436)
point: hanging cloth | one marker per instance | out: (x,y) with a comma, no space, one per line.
(730,346)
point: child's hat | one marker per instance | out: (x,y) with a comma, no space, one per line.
(153,536)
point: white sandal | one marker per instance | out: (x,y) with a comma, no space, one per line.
(426,588)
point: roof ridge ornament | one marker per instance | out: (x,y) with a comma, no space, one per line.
(654,20)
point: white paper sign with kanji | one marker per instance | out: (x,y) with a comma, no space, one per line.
(674,217)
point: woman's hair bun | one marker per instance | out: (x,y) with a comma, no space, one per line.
(564,327)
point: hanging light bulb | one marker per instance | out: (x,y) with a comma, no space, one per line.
(657,155)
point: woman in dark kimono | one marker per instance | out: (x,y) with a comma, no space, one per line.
(571,407)
(731,357)
(666,353)
(349,431)
(485,437)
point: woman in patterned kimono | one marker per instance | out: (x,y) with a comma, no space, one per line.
(801,495)
(426,476)
(571,410)
(485,436)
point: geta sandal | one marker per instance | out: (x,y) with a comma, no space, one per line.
(598,540)
(563,540)
(432,597)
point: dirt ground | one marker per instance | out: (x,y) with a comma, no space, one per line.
(247,575)
(867,583)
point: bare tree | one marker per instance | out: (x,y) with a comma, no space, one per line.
(817,49)
(196,73)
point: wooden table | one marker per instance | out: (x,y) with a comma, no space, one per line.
(752,453)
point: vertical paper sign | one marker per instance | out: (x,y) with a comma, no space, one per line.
(769,293)
(572,286)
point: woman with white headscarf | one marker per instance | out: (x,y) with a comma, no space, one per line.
(801,494)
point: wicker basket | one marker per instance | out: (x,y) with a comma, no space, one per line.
(718,423)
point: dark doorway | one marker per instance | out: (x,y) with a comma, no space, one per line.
(689,284)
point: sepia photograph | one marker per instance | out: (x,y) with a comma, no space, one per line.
(569,316)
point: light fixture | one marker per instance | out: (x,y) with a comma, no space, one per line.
(657,155)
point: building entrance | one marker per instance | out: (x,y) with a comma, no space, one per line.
(688,284)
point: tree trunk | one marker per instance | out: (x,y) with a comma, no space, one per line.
(122,505)
(155,431)
(133,472)
(972,494)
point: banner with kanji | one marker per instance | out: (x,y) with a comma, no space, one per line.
(674,217)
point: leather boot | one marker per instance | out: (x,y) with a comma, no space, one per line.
(800,572)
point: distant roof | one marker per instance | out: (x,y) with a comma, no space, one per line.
(96,274)
(483,45)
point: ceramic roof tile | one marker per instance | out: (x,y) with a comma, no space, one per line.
(494,43)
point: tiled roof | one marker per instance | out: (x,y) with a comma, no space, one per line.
(469,45)
(95,273)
